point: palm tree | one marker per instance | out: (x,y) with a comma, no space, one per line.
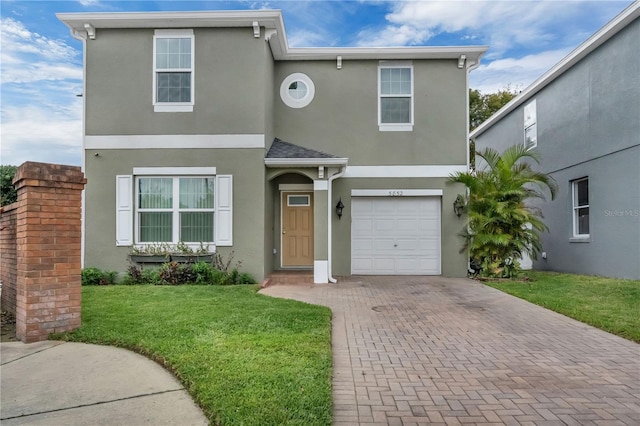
(502,222)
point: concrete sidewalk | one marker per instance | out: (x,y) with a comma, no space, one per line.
(55,383)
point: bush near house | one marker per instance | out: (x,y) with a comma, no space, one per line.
(502,223)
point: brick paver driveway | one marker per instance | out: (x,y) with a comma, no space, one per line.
(432,350)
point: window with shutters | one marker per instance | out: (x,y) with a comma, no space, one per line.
(158,205)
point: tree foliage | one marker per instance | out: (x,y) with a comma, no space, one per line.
(483,106)
(7,190)
(502,223)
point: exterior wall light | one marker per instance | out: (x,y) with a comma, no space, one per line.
(458,205)
(339,208)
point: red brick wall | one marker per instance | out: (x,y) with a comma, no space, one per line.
(8,256)
(48,234)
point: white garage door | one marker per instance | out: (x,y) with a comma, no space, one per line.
(395,236)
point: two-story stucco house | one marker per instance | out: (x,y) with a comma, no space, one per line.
(207,127)
(583,115)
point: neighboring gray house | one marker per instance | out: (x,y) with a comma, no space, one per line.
(583,116)
(207,126)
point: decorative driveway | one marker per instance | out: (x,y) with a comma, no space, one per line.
(433,350)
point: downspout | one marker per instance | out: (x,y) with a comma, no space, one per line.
(330,213)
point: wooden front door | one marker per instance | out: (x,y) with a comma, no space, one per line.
(297,229)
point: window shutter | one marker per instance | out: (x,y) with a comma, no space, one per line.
(124,210)
(224,210)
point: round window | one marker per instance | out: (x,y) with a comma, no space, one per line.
(297,90)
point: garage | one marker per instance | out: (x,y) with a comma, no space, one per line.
(395,235)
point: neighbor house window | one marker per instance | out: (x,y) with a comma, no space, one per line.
(530,125)
(580,191)
(174,209)
(173,62)
(395,96)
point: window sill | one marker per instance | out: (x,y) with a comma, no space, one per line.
(395,127)
(586,239)
(173,108)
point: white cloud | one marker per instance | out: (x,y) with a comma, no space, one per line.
(303,38)
(402,35)
(41,117)
(36,134)
(515,72)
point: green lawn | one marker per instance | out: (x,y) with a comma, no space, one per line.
(246,359)
(610,304)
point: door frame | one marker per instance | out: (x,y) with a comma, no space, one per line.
(282,206)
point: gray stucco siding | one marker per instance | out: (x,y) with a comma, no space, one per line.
(613,248)
(454,263)
(343,117)
(245,165)
(230,84)
(589,126)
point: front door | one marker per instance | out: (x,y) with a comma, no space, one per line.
(297,229)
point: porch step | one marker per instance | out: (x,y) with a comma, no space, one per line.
(289,278)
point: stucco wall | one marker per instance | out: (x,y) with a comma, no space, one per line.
(343,117)
(246,166)
(229,84)
(589,126)
(454,263)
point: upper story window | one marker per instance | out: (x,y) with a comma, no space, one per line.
(173,63)
(530,125)
(580,197)
(395,96)
(297,90)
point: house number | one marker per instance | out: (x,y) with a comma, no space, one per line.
(395,193)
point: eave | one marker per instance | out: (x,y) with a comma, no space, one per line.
(305,162)
(613,27)
(82,25)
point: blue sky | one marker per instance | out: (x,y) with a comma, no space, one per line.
(41,64)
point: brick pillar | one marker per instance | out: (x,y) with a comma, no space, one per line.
(48,237)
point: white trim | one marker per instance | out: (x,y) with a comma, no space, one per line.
(403,171)
(168,107)
(320,185)
(282,206)
(396,192)
(592,43)
(304,162)
(173,32)
(174,141)
(396,127)
(272,21)
(295,187)
(576,208)
(320,272)
(291,101)
(173,171)
(174,106)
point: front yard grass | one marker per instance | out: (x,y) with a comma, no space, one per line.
(609,304)
(245,358)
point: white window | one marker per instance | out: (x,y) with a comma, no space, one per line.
(173,209)
(173,63)
(395,96)
(297,90)
(530,125)
(156,205)
(580,196)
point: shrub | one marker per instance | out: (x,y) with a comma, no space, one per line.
(95,276)
(8,193)
(174,273)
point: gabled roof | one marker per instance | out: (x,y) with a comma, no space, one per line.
(87,25)
(285,154)
(282,149)
(613,27)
